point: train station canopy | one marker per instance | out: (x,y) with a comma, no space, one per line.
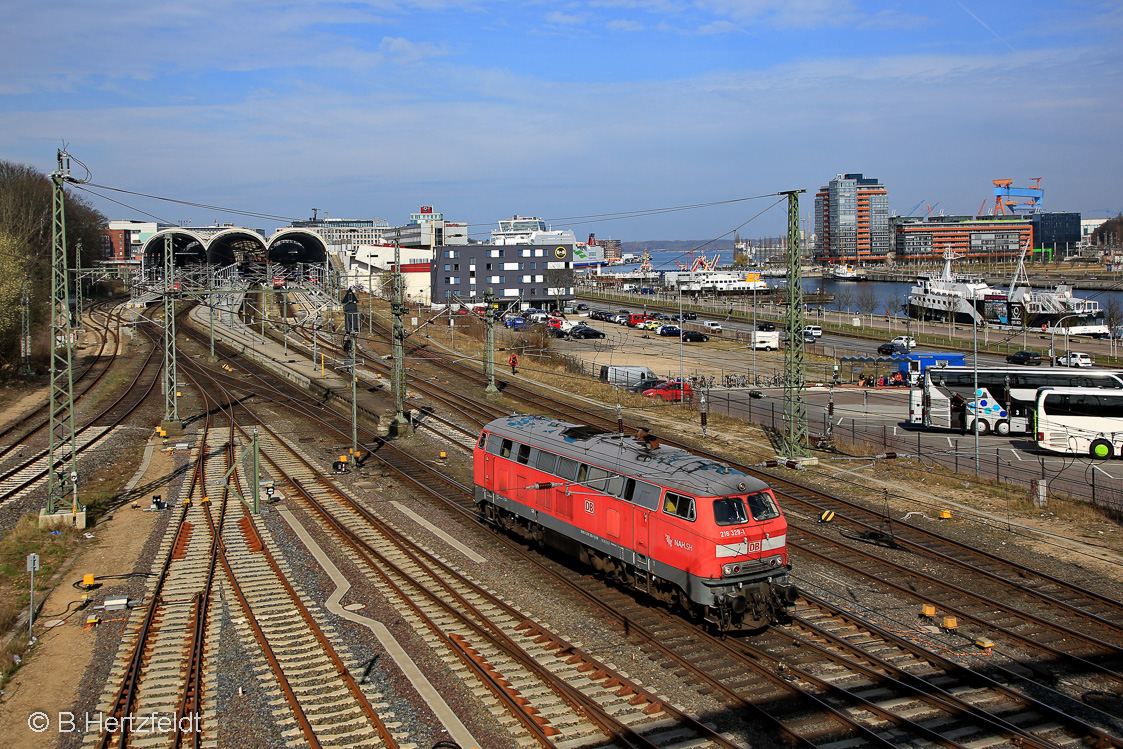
(230,244)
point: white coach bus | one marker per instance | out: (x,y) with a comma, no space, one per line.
(945,397)
(1080,421)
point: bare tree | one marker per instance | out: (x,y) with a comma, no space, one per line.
(843,297)
(559,281)
(866,300)
(1113,313)
(26,224)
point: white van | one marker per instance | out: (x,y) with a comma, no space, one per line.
(625,376)
(769,340)
(711,326)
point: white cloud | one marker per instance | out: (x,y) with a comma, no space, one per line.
(566,19)
(404,50)
(621,24)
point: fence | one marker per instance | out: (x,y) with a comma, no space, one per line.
(854,432)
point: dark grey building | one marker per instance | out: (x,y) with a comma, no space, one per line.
(538,275)
(1056,231)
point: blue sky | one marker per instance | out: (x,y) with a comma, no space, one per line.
(564,109)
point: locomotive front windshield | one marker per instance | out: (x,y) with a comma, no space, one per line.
(731,510)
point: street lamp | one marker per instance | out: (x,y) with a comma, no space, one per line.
(1052,335)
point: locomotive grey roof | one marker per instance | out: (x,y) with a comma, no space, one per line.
(672,467)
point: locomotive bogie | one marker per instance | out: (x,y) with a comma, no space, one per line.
(683,529)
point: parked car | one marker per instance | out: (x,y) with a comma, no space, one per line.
(765,326)
(584,332)
(905,340)
(619,319)
(1025,357)
(891,349)
(581,307)
(517,323)
(712,326)
(689,315)
(814,330)
(671,391)
(1075,359)
(669,330)
(646,384)
(695,336)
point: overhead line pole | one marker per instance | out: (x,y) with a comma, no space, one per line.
(171,402)
(489,353)
(63,444)
(397,308)
(795,409)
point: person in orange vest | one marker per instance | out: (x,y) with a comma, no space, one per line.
(514,362)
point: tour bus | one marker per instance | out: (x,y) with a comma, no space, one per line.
(1080,421)
(945,398)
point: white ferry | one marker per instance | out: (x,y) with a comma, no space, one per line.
(846,273)
(966,300)
(533,230)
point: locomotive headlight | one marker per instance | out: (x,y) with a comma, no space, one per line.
(730,569)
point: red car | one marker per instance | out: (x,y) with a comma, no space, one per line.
(671,391)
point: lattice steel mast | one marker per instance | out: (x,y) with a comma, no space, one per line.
(171,402)
(795,410)
(397,309)
(61,479)
(25,331)
(489,353)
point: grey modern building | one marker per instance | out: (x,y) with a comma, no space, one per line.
(1057,231)
(852,220)
(532,275)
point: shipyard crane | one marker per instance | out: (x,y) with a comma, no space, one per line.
(1004,191)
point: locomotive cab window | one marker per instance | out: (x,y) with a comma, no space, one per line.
(524,454)
(763,506)
(482,441)
(505,449)
(642,493)
(679,505)
(730,511)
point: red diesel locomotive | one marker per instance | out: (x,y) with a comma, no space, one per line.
(685,529)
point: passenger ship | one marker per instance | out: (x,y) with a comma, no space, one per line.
(846,273)
(533,230)
(969,300)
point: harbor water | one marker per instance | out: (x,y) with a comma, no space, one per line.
(890,295)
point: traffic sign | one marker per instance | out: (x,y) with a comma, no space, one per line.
(32,562)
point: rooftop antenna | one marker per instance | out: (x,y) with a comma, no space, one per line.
(314,211)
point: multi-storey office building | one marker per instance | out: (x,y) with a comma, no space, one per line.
(852,220)
(534,275)
(347,232)
(1056,231)
(124,240)
(984,238)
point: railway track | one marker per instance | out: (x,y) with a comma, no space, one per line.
(995,724)
(23,475)
(19,433)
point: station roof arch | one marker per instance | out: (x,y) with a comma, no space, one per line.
(233,244)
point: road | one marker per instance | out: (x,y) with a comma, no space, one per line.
(876,416)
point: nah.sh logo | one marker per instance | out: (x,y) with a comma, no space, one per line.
(676,542)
